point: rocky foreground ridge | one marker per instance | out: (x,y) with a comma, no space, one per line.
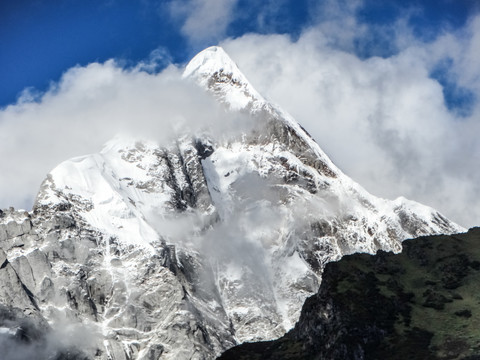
(184,249)
(420,304)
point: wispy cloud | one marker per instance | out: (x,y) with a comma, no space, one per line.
(203,22)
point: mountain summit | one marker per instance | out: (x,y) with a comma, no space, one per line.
(214,70)
(185,249)
(213,60)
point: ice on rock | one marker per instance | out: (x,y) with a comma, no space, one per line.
(213,69)
(186,249)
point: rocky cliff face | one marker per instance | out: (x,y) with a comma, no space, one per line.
(185,249)
(420,304)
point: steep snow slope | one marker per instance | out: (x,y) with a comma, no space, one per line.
(187,249)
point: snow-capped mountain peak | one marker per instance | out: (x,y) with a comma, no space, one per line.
(188,248)
(211,60)
(215,70)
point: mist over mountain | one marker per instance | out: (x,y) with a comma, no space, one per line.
(182,242)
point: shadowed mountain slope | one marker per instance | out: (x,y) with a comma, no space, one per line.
(423,303)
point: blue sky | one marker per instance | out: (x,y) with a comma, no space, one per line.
(389,89)
(41,39)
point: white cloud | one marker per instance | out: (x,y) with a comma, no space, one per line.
(382,120)
(85,109)
(203,21)
(337,21)
(463,47)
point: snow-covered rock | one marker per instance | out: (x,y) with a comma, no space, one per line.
(182,251)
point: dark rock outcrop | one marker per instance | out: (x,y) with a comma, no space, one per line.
(420,304)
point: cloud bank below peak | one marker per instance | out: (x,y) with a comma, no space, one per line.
(89,106)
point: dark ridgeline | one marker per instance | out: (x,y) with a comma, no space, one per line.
(423,303)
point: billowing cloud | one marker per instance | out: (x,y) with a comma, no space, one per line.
(203,21)
(384,121)
(88,107)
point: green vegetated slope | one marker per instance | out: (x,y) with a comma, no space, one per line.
(421,304)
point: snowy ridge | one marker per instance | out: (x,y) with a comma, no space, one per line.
(213,69)
(100,178)
(185,249)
